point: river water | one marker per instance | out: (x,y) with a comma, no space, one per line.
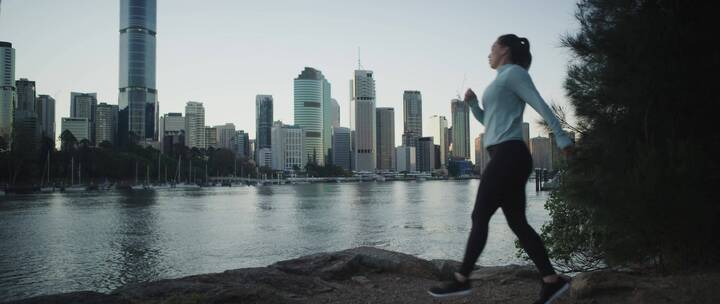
(62,242)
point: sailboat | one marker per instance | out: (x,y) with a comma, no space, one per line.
(159,184)
(47,188)
(137,186)
(73,187)
(183,185)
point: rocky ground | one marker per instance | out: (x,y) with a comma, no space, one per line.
(371,275)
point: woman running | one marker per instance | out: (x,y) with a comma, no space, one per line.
(503,182)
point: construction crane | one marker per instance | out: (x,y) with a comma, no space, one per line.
(461,87)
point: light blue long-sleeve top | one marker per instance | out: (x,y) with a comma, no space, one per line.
(503,105)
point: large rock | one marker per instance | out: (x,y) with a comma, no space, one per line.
(345,264)
(251,285)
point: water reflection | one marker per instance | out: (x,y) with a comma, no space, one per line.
(137,254)
(98,241)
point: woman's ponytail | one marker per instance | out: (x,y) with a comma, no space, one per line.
(519,49)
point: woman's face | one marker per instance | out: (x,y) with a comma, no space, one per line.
(498,53)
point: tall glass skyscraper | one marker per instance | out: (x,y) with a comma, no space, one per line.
(311,113)
(263,120)
(45,107)
(7,89)
(25,95)
(341,148)
(84,105)
(138,106)
(460,129)
(412,118)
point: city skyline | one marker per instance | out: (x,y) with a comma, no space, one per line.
(97,71)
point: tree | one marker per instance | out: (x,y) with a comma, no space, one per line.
(642,183)
(68,141)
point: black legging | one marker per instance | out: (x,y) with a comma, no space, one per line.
(503,185)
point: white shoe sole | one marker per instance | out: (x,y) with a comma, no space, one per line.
(452,294)
(558,293)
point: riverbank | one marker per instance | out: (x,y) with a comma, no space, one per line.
(372,275)
(218,182)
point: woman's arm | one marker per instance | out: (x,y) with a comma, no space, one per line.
(522,85)
(473,103)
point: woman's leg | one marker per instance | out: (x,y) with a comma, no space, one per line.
(487,201)
(513,205)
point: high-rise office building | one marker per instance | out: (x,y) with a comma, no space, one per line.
(328,112)
(263,120)
(264,157)
(225,135)
(172,141)
(288,151)
(241,143)
(137,99)
(412,118)
(312,113)
(426,159)
(79,127)
(173,123)
(405,160)
(341,148)
(195,125)
(27,132)
(45,108)
(362,120)
(211,137)
(526,133)
(436,162)
(7,90)
(26,125)
(84,105)
(438,131)
(106,124)
(25,95)
(335,113)
(253,149)
(461,129)
(385,118)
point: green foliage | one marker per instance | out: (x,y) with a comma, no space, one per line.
(571,239)
(329,170)
(107,163)
(641,187)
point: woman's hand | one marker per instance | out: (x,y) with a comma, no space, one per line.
(470,95)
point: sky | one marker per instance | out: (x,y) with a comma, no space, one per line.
(223,53)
